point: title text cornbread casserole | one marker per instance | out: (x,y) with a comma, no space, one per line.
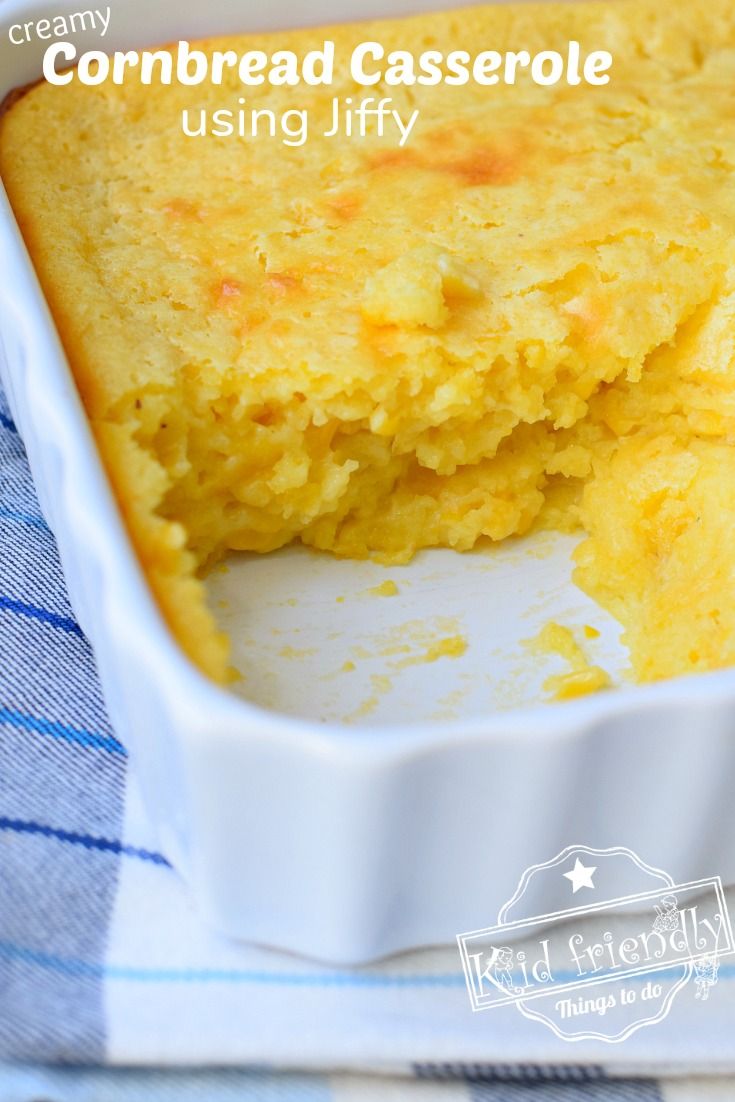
(524,316)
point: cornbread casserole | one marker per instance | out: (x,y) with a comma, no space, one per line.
(522,317)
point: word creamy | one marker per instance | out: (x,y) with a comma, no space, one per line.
(368,65)
(61,26)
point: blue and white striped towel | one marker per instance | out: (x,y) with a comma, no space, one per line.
(103,960)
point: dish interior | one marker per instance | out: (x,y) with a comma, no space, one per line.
(329,639)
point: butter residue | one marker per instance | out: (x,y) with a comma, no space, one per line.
(421,641)
(387,588)
(381,684)
(583,677)
(452,646)
(296,652)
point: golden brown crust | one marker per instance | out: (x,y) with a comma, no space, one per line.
(16,94)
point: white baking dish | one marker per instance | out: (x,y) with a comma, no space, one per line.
(347,842)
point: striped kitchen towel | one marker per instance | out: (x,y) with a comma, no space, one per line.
(103,959)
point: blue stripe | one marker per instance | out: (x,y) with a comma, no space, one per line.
(76,967)
(7,423)
(89,841)
(44,615)
(24,518)
(55,729)
(279,979)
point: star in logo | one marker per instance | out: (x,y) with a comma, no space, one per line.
(581,876)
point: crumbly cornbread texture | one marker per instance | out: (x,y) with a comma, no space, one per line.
(524,316)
